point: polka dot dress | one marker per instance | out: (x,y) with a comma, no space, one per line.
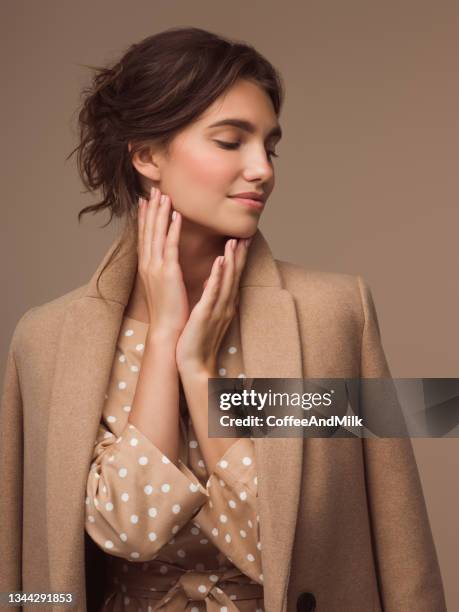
(176,537)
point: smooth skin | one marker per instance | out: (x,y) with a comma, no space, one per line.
(195,337)
(188,296)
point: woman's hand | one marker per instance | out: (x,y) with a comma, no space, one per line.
(198,345)
(159,267)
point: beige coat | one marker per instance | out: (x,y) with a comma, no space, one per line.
(342,521)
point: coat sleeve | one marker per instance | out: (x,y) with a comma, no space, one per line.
(11,469)
(408,570)
(136,498)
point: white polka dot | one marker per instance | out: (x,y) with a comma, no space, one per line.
(123,537)
(223,463)
(222,483)
(228,538)
(135,555)
(126,601)
(152,536)
(215,532)
(152,512)
(122,473)
(87,500)
(261,577)
(108,544)
(247,461)
(201,463)
(249,523)
(243,495)
(194,609)
(111,419)
(255,480)
(109,506)
(97,476)
(165,459)
(108,434)
(175,528)
(127,408)
(122,385)
(121,358)
(96,503)
(143,460)
(243,533)
(259,545)
(241,375)
(232,350)
(223,518)
(148,489)
(133,442)
(222,371)
(91,519)
(224,609)
(193,444)
(111,458)
(139,347)
(250,557)
(163,569)
(213,578)
(134,368)
(195,531)
(165,488)
(193,487)
(176,508)
(129,332)
(204,541)
(134,518)
(232,503)
(131,427)
(202,588)
(125,497)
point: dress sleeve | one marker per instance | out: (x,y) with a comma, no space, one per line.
(136,498)
(229,518)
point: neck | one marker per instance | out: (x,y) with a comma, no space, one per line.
(198,248)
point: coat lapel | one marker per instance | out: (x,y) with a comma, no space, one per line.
(271,348)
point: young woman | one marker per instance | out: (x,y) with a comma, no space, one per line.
(111,488)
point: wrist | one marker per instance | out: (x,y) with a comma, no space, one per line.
(163,340)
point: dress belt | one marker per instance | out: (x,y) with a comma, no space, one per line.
(192,585)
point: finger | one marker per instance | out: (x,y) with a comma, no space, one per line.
(212,288)
(241,259)
(140,225)
(152,207)
(160,229)
(171,248)
(228,276)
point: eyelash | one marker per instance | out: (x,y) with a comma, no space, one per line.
(234,145)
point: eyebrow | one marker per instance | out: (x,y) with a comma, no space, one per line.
(247,126)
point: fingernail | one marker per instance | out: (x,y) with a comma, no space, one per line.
(174,214)
(162,199)
(139,202)
(233,244)
(152,192)
(248,241)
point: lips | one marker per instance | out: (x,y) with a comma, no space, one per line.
(257,204)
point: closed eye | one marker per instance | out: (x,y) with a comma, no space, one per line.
(235,145)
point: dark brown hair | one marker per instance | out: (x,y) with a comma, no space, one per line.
(158,87)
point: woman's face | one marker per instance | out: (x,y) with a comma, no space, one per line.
(201,172)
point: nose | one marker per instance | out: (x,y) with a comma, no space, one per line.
(259,167)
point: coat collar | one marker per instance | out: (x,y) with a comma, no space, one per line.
(271,347)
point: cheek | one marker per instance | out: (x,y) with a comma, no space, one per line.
(208,171)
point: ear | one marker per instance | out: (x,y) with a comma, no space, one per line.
(147,162)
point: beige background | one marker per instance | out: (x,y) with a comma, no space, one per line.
(367,181)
